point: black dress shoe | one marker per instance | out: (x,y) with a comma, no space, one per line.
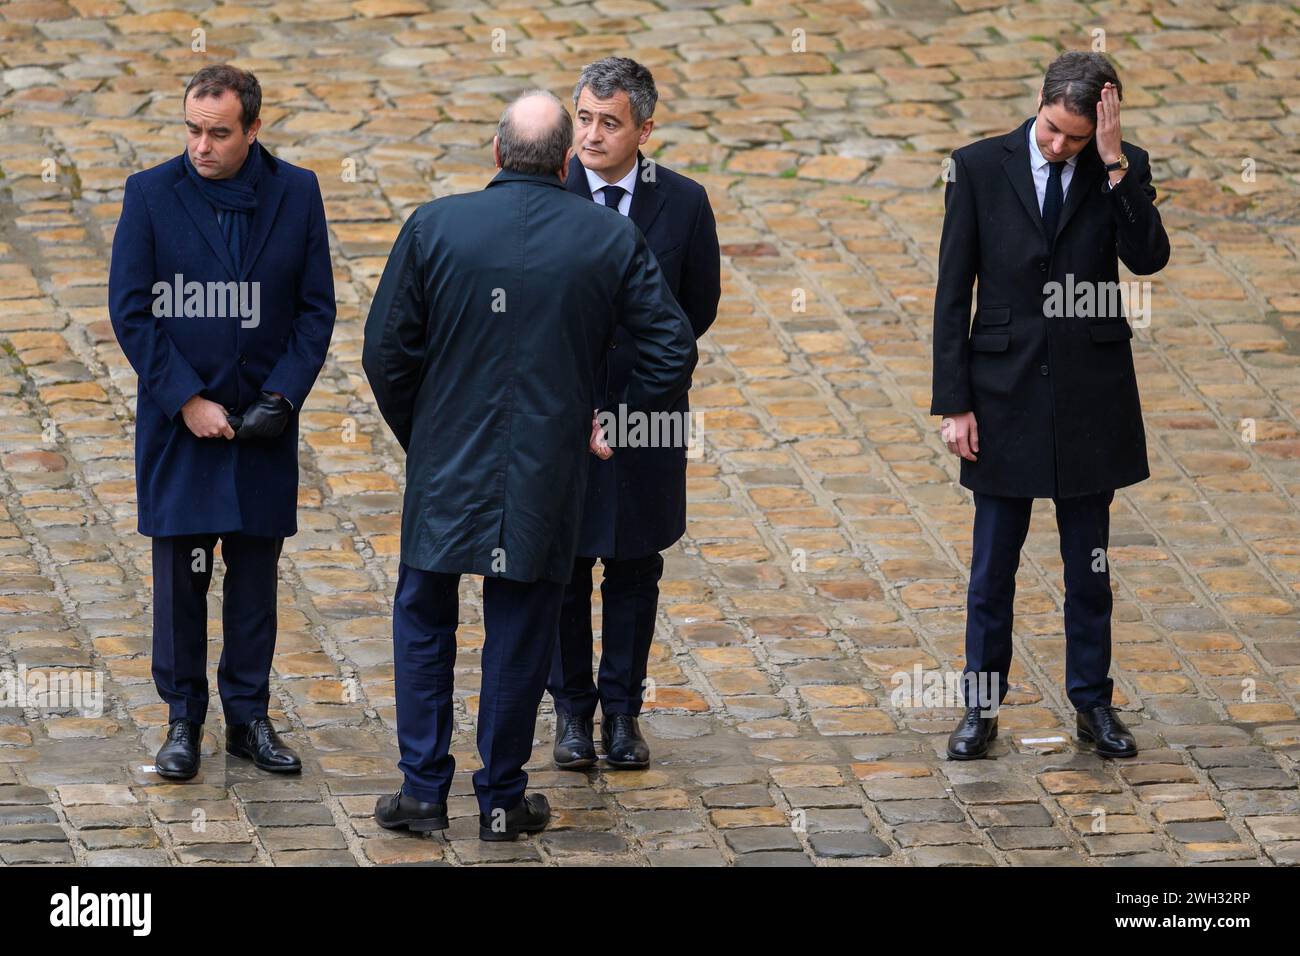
(574,749)
(970,741)
(530,816)
(259,742)
(625,748)
(401,812)
(1102,727)
(178,757)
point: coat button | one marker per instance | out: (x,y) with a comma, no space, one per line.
(1042,369)
(1042,265)
(612,346)
(242,360)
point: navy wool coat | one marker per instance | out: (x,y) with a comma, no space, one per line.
(189,485)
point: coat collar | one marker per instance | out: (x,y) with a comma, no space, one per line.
(1017,167)
(270,191)
(647,198)
(513,176)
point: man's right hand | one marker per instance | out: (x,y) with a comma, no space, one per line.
(206,419)
(961,434)
(597,443)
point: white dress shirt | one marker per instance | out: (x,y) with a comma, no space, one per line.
(1039,166)
(628,182)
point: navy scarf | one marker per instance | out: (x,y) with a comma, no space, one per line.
(234,200)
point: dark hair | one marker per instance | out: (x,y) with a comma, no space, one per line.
(606,77)
(215,80)
(537,152)
(1075,80)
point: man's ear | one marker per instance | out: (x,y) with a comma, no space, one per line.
(496,151)
(1039,105)
(568,161)
(646,127)
(253,130)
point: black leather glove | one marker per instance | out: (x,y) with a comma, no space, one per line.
(265,418)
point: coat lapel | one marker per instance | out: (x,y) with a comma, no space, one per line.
(1022,177)
(205,218)
(270,190)
(647,197)
(577,181)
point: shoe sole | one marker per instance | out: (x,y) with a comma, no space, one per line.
(172,775)
(582,763)
(244,755)
(425,825)
(1087,738)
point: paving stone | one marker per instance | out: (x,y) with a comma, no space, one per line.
(288,814)
(841,845)
(752,839)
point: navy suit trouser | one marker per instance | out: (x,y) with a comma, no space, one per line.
(1001,525)
(629,597)
(520,621)
(182,572)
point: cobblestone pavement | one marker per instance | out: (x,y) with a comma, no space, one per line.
(828,542)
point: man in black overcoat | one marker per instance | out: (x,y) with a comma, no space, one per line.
(1038,396)
(636,496)
(492,315)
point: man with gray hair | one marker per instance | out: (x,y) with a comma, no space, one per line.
(636,495)
(481,346)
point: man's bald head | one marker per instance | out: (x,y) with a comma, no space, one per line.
(534,135)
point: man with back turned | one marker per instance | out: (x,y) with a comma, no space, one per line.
(481,347)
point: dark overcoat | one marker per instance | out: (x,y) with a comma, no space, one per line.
(636,500)
(1055,396)
(482,343)
(189,485)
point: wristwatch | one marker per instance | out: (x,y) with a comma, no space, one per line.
(1121,164)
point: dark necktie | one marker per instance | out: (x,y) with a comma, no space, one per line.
(1053,199)
(613,195)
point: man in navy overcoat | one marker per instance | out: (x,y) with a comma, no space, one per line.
(635,505)
(221,295)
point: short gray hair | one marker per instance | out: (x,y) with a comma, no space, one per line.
(606,77)
(537,152)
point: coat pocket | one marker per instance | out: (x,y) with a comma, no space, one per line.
(995,315)
(990,341)
(1115,331)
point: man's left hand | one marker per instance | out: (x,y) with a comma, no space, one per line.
(1108,136)
(265,418)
